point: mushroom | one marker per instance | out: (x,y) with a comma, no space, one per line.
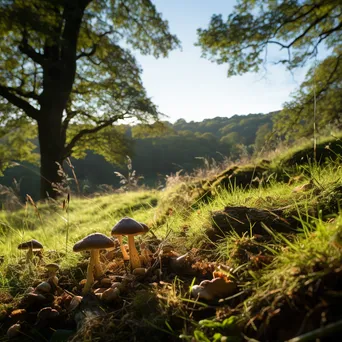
(30,246)
(110,295)
(146,229)
(52,269)
(215,288)
(44,317)
(122,247)
(128,226)
(93,243)
(13,331)
(43,287)
(47,313)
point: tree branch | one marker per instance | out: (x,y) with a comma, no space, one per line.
(326,86)
(83,132)
(325,34)
(19,102)
(87,54)
(294,19)
(29,51)
(30,95)
(70,115)
(94,47)
(312,25)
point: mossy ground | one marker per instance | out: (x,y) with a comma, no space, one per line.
(287,284)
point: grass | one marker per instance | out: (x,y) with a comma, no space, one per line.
(286,284)
(50,223)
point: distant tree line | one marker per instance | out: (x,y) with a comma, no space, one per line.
(156,151)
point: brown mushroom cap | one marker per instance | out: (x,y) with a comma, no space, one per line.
(215,288)
(128,226)
(33,244)
(146,229)
(93,241)
(52,267)
(47,313)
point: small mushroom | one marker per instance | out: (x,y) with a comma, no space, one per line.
(52,269)
(128,226)
(140,271)
(30,246)
(47,313)
(43,287)
(93,243)
(110,295)
(13,330)
(45,316)
(118,285)
(33,297)
(213,289)
(106,282)
(122,247)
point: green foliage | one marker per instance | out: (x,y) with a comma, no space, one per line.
(216,331)
(323,88)
(263,134)
(299,28)
(255,25)
(279,277)
(157,150)
(111,142)
(16,143)
(155,130)
(68,66)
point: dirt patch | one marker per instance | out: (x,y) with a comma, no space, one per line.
(245,220)
(315,304)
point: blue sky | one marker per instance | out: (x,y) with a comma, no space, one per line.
(190,87)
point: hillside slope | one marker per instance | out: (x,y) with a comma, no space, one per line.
(267,254)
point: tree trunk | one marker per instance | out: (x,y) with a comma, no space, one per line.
(51,151)
(58,78)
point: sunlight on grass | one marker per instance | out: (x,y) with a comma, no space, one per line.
(268,269)
(85,216)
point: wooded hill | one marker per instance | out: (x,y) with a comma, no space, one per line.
(158,151)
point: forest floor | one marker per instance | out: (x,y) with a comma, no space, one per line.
(252,254)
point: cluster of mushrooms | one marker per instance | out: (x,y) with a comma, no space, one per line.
(96,242)
(208,290)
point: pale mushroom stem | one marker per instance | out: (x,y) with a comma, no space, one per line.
(90,275)
(123,249)
(52,277)
(54,280)
(98,272)
(133,253)
(29,255)
(29,259)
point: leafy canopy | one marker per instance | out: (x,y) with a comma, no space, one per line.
(16,144)
(296,26)
(323,88)
(35,41)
